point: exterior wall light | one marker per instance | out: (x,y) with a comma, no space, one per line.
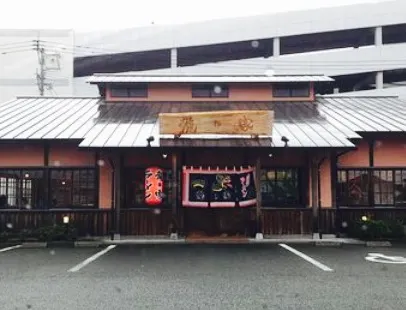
(66,219)
(270,154)
(164,156)
(364,218)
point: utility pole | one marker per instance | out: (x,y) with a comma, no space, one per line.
(42,70)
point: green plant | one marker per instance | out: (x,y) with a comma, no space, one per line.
(57,233)
(368,229)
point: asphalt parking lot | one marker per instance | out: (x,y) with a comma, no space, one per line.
(204,277)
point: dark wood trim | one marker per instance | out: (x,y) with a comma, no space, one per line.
(372,168)
(117,190)
(175,183)
(259,194)
(371,196)
(333,177)
(97,178)
(46,154)
(371,147)
(47,176)
(314,192)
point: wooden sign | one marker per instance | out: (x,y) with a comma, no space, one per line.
(250,122)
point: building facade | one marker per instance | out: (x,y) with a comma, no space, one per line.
(110,164)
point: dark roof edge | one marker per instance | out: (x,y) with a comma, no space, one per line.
(58,97)
(355,97)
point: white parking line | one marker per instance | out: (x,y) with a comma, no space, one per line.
(91,259)
(305,257)
(10,248)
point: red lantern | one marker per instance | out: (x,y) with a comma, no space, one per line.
(154,184)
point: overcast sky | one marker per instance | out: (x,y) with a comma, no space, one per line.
(113,14)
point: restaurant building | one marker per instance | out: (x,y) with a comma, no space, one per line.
(211,155)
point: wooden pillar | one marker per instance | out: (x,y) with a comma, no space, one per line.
(371,157)
(117,193)
(47,188)
(314,188)
(334,176)
(175,184)
(259,195)
(97,179)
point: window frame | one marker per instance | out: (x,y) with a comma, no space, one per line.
(209,88)
(45,194)
(299,204)
(290,88)
(94,189)
(371,192)
(142,88)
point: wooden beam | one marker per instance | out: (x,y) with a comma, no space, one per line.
(175,183)
(117,191)
(97,178)
(259,195)
(218,122)
(314,187)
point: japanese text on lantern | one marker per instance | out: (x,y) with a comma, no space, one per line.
(218,122)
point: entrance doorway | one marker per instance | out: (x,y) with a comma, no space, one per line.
(218,222)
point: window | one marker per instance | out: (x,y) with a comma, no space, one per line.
(371,187)
(73,187)
(22,188)
(209,91)
(352,187)
(130,91)
(135,188)
(280,187)
(284,90)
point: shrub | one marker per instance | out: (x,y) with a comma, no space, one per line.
(376,230)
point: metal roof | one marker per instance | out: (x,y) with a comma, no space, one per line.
(327,122)
(47,118)
(121,78)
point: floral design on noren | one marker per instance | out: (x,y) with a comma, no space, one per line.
(245,124)
(187,125)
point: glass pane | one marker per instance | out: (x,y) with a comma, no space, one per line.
(400,187)
(280,91)
(300,90)
(73,188)
(119,92)
(383,187)
(281,188)
(353,188)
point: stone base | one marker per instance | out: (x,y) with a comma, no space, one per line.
(174,236)
(259,236)
(116,237)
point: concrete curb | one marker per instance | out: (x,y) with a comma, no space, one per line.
(378,244)
(88,244)
(77,244)
(33,245)
(144,241)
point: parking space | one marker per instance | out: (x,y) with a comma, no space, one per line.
(352,260)
(41,262)
(201,277)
